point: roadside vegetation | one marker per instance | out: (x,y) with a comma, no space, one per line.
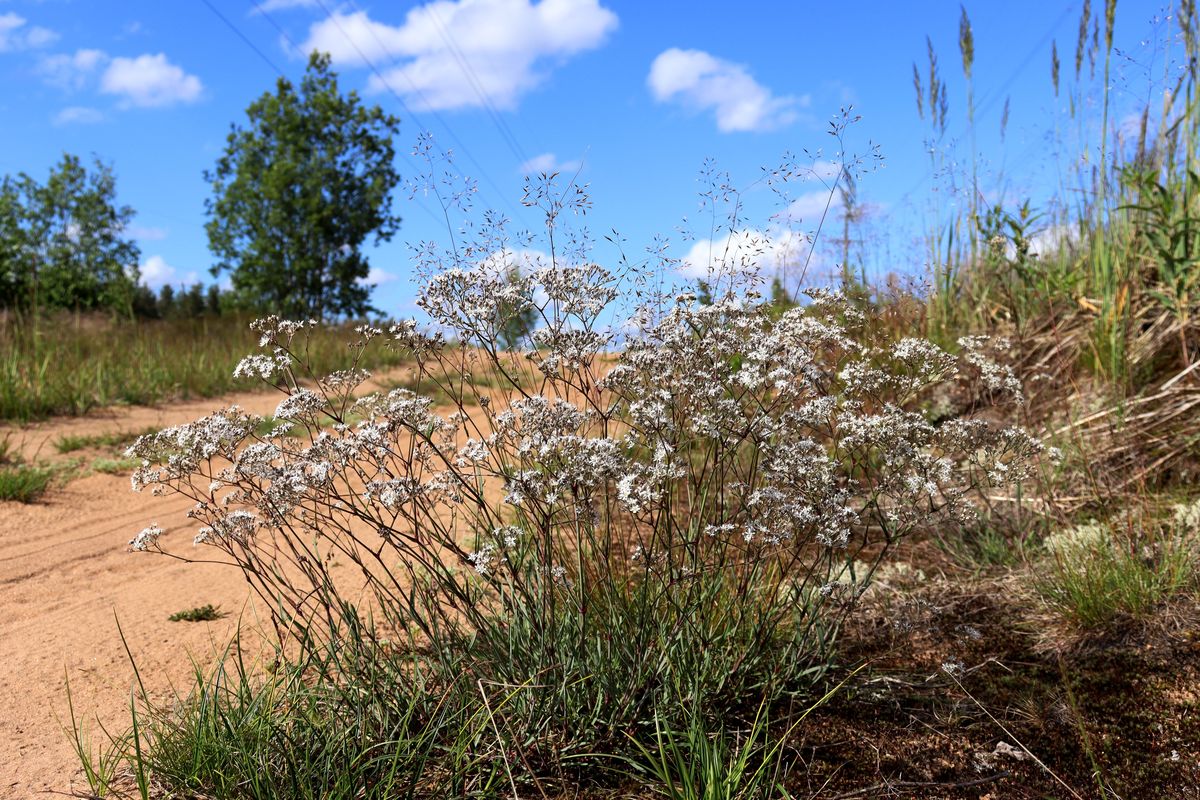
(748,538)
(72,364)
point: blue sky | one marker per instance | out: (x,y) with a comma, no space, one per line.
(635,95)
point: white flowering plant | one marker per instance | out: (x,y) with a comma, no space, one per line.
(652,496)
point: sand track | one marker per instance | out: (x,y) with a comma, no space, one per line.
(65,581)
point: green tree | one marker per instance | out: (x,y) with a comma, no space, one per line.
(212,300)
(516,321)
(62,243)
(145,303)
(297,193)
(167,305)
(191,301)
(14,271)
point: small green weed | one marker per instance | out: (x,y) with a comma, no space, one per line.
(114,466)
(204,613)
(112,439)
(24,484)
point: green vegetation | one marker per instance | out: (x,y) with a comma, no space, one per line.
(204,613)
(296,195)
(114,466)
(62,243)
(73,364)
(113,440)
(1095,577)
(630,619)
(24,484)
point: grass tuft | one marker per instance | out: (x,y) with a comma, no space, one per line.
(1095,578)
(24,484)
(114,439)
(204,613)
(114,466)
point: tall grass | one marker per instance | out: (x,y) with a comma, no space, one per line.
(72,364)
(1115,248)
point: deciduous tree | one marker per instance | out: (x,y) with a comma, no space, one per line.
(298,192)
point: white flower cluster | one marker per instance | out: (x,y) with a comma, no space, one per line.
(406,334)
(260,367)
(550,438)
(278,332)
(582,292)
(176,453)
(146,539)
(996,377)
(475,304)
(719,428)
(237,526)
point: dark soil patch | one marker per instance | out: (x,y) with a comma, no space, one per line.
(1113,715)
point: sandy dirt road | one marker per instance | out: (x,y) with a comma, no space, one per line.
(66,579)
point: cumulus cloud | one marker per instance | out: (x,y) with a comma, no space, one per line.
(157,272)
(547,163)
(703,82)
(745,250)
(146,81)
(17,34)
(376,277)
(149,81)
(146,233)
(267,6)
(78,115)
(71,71)
(452,53)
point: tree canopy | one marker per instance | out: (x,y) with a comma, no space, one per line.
(297,193)
(63,243)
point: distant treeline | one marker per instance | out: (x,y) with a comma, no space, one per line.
(188,302)
(64,245)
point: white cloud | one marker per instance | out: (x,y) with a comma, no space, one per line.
(810,207)
(146,233)
(16,34)
(703,82)
(267,6)
(78,115)
(71,71)
(377,277)
(156,271)
(454,50)
(1049,240)
(746,250)
(547,163)
(149,81)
